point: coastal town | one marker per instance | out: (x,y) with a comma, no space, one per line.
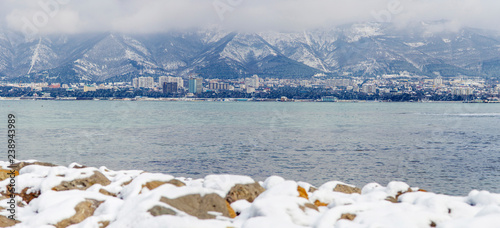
(398,87)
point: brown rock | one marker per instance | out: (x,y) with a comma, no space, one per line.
(106,192)
(20,204)
(198,206)
(312,189)
(4,174)
(79,167)
(348,216)
(433,224)
(83,184)
(159,210)
(83,210)
(302,192)
(103,224)
(127,183)
(244,191)
(7,222)
(401,193)
(395,199)
(232,214)
(346,189)
(28,197)
(308,205)
(155,184)
(176,182)
(318,203)
(20,165)
(391,199)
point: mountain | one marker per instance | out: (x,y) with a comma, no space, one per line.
(362,49)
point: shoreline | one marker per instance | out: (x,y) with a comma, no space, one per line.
(59,196)
(229,100)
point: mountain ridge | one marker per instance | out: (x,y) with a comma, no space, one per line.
(361,49)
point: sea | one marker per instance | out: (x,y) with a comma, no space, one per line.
(448,148)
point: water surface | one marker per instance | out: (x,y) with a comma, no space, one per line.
(447,148)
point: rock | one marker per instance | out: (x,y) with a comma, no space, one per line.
(244,191)
(5,174)
(103,224)
(83,184)
(318,203)
(308,205)
(346,189)
(7,222)
(20,165)
(395,199)
(83,210)
(28,197)
(350,217)
(312,189)
(302,192)
(78,166)
(159,210)
(176,182)
(106,192)
(155,184)
(232,213)
(198,206)
(391,199)
(127,183)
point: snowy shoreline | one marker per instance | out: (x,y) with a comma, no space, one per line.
(77,196)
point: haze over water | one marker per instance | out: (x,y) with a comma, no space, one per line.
(447,148)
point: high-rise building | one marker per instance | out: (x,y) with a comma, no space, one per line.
(135,83)
(162,80)
(179,80)
(146,82)
(196,85)
(170,87)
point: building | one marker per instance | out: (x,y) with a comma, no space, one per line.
(254,82)
(135,83)
(218,86)
(196,85)
(369,88)
(162,80)
(89,88)
(438,81)
(170,87)
(178,80)
(144,82)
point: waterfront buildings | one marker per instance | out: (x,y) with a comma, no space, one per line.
(196,85)
(170,87)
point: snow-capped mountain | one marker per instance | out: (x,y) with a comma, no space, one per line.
(367,49)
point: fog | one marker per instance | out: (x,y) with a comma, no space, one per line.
(155,16)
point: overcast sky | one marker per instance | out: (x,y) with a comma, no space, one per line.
(152,16)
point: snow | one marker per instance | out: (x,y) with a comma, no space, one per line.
(35,57)
(358,31)
(224,183)
(416,44)
(279,206)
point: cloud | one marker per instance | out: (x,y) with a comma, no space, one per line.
(153,16)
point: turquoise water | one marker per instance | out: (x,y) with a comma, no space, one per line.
(447,148)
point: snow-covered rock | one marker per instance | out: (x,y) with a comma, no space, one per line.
(78,196)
